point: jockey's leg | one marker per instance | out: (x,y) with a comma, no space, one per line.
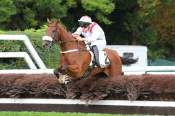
(96,55)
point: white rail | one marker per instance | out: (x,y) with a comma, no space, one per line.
(27,71)
(81,102)
(19,55)
(149,70)
(29,46)
(128,71)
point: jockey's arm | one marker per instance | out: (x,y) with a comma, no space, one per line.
(77,32)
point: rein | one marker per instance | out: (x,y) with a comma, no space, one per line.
(69,51)
(73,50)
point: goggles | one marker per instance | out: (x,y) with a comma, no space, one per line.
(83,24)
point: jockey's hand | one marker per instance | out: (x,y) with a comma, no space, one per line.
(75,35)
(79,38)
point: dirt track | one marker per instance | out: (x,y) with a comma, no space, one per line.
(143,87)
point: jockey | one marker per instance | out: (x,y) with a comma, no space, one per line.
(93,35)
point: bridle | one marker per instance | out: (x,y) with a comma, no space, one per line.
(54,33)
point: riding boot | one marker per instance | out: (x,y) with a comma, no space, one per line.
(96,55)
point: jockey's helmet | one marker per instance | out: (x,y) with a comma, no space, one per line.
(85,21)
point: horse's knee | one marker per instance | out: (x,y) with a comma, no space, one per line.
(59,70)
(56,72)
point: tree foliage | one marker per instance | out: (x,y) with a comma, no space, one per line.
(23,14)
(164,24)
(33,13)
(7,8)
(101,8)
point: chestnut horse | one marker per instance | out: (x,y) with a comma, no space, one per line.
(75,58)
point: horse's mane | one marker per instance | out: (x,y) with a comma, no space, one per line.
(66,34)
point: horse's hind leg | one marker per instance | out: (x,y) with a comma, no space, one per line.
(94,72)
(114,70)
(115,67)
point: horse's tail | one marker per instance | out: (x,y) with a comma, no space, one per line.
(128,61)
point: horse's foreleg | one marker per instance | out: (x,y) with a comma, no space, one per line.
(62,69)
(113,71)
(75,71)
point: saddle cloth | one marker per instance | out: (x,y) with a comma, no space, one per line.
(103,59)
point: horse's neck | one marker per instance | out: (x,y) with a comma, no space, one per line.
(65,35)
(70,42)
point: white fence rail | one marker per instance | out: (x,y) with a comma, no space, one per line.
(127,71)
(19,55)
(149,70)
(29,46)
(27,71)
(84,102)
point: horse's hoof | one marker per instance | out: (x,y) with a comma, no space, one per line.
(64,79)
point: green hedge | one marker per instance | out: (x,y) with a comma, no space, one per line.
(50,57)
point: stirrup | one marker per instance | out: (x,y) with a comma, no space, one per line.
(98,64)
(95,63)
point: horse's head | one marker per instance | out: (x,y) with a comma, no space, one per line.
(56,33)
(52,34)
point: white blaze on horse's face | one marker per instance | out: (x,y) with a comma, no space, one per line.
(51,35)
(47,41)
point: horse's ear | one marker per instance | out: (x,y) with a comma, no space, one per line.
(48,20)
